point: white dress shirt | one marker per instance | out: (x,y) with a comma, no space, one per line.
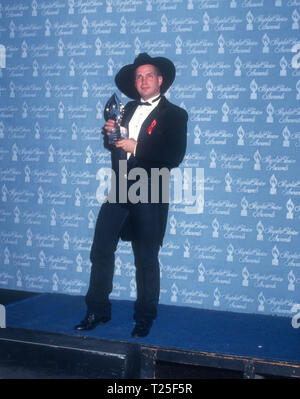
(138,118)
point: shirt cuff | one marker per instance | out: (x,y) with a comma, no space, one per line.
(135,150)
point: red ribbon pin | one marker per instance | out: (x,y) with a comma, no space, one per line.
(151,126)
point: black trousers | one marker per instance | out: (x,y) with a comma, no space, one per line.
(146,243)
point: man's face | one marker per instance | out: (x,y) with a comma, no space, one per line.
(147,82)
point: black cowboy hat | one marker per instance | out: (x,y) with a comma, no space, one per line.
(126,76)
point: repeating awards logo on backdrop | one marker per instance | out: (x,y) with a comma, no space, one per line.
(238,76)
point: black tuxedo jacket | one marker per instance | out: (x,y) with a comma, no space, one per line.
(161,144)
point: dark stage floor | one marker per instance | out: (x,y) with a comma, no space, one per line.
(179,328)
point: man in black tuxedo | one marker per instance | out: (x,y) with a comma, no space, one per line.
(157,139)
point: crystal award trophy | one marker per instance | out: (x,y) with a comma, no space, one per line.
(114,109)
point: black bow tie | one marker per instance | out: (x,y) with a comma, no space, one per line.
(147,103)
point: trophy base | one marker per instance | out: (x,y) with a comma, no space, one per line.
(117,134)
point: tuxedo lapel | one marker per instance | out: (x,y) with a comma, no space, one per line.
(128,115)
(154,115)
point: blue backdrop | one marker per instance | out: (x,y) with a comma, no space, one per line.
(238,78)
